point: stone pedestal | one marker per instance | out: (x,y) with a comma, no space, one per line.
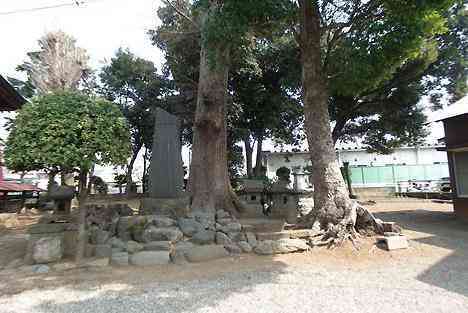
(46,243)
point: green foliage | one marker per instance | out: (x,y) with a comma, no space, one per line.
(264,75)
(227,24)
(235,161)
(283,173)
(381,42)
(67,131)
(378,56)
(99,184)
(448,75)
(135,86)
(266,101)
(25,88)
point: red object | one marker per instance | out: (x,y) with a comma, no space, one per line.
(6,186)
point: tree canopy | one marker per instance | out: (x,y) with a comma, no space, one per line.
(67,131)
(135,86)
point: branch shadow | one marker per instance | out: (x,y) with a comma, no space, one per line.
(440,229)
(164,289)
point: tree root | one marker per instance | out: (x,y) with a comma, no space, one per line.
(357,218)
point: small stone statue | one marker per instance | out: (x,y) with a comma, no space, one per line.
(60,196)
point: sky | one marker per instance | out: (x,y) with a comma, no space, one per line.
(99,26)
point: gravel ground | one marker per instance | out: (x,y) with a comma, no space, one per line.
(386,289)
(431,276)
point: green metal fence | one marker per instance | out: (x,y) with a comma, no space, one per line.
(392,174)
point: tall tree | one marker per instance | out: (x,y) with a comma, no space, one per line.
(69,132)
(222,26)
(258,87)
(267,103)
(59,64)
(351,46)
(135,86)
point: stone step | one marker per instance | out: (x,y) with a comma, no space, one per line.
(273,236)
(262,225)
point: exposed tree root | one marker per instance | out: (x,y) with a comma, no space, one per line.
(358,218)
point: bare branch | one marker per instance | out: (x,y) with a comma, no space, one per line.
(181,13)
(59,65)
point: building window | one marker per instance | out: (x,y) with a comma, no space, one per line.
(253,198)
(460,161)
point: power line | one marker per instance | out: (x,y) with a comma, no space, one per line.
(75,3)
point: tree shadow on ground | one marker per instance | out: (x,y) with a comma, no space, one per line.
(440,229)
(170,288)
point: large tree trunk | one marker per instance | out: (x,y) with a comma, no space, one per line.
(332,204)
(82,233)
(333,209)
(248,156)
(258,161)
(130,169)
(209,179)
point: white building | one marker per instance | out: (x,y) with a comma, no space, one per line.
(417,158)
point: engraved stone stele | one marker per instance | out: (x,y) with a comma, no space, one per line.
(166,177)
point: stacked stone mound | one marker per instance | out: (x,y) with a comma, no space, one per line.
(156,239)
(216,235)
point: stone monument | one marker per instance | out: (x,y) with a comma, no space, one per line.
(166,177)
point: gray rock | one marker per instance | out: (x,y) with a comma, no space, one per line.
(96,262)
(289,245)
(99,236)
(303,233)
(152,233)
(264,247)
(119,259)
(103,251)
(223,239)
(158,246)
(47,250)
(273,235)
(133,247)
(180,249)
(206,219)
(395,242)
(225,221)
(236,236)
(233,249)
(206,253)
(149,258)
(90,250)
(162,221)
(251,239)
(189,226)
(245,246)
(117,243)
(222,214)
(40,269)
(232,228)
(125,235)
(117,250)
(204,237)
